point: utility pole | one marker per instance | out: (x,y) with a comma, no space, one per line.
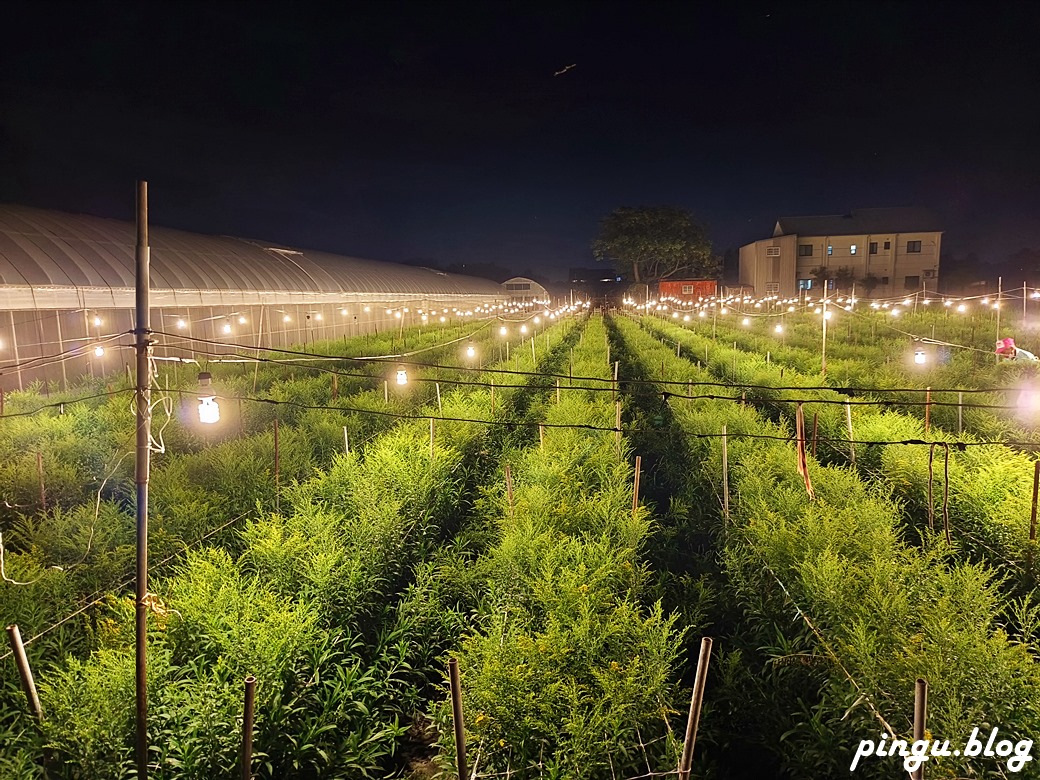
(144,429)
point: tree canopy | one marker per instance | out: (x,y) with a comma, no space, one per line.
(655,242)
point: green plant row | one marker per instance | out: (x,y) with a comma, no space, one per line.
(98,635)
(349,542)
(887,366)
(989,486)
(840,615)
(570,670)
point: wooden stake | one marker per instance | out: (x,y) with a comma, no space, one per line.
(927,408)
(1036,487)
(616,364)
(14,636)
(386,392)
(557,391)
(541,436)
(509,487)
(39,473)
(635,485)
(346,441)
(725,473)
(960,413)
(335,386)
(431,438)
(277,469)
(492,395)
(457,718)
(815,431)
(920,716)
(440,408)
(686,762)
(247,728)
(848,422)
(617,424)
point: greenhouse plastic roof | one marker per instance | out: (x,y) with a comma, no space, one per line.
(53,249)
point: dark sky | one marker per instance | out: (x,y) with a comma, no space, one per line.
(438,131)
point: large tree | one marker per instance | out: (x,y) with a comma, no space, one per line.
(655,242)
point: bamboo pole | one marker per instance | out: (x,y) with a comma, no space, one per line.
(346,441)
(21,660)
(440,407)
(696,700)
(541,436)
(927,408)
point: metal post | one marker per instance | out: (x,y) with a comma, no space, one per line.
(144,430)
(696,700)
(457,718)
(24,671)
(247,729)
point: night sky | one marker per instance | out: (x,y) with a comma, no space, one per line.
(445,133)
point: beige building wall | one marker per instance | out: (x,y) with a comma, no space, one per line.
(769,266)
(902,262)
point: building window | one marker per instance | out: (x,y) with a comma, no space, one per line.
(911,282)
(884,279)
(913,246)
(687,289)
(772,287)
(772,251)
(852,249)
(805,250)
(888,245)
(519,286)
(805,284)
(873,247)
(830,249)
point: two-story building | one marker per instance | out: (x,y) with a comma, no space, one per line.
(887,252)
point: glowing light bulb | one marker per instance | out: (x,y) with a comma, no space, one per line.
(402,375)
(97,322)
(686,318)
(397,315)
(99,351)
(241,320)
(227,327)
(745,321)
(919,357)
(537,320)
(286,318)
(962,308)
(723,311)
(503,331)
(209,411)
(894,312)
(343,312)
(779,328)
(523,329)
(471,351)
(182,324)
(317,316)
(443,319)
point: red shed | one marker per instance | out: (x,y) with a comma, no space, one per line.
(689,289)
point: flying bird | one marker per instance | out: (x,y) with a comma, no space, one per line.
(561,72)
